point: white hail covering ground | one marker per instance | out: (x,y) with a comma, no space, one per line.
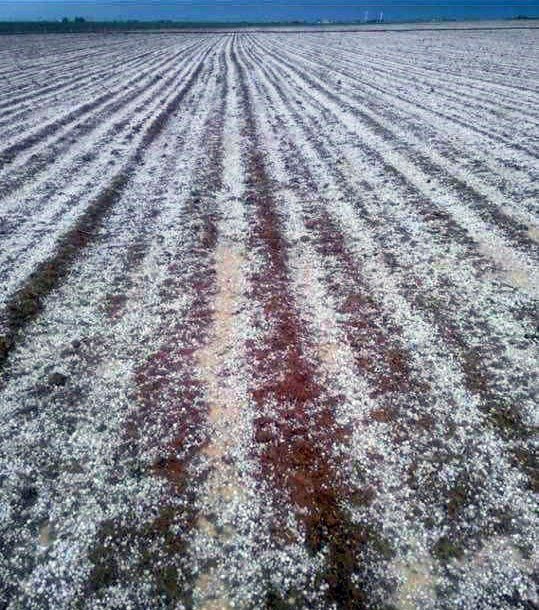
(268,325)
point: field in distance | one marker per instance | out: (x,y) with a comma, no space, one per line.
(268,320)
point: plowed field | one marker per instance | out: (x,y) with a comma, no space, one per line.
(268,320)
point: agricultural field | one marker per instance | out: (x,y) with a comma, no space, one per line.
(268,320)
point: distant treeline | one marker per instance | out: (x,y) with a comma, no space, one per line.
(79,24)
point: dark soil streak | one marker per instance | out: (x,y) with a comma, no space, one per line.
(478,379)
(296,429)
(387,362)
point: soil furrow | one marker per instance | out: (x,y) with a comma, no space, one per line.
(452,517)
(296,427)
(172,399)
(114,141)
(28,300)
(407,73)
(512,229)
(80,129)
(481,355)
(416,121)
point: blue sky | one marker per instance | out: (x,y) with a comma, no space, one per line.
(264,10)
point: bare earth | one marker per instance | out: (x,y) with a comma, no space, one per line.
(268,320)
